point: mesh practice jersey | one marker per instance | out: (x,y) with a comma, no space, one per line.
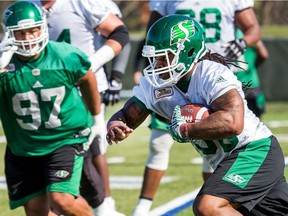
(41,109)
(216,17)
(209,81)
(74,22)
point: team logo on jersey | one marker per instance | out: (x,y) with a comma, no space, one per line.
(163,92)
(182,31)
(221,79)
(235,178)
(61,174)
(36,72)
(37,84)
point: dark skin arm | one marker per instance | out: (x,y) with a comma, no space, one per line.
(90,93)
(122,123)
(107,27)
(247,22)
(262,53)
(226,120)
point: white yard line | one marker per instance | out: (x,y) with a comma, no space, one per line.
(2,139)
(175,205)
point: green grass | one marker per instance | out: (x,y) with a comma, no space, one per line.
(135,150)
(274,31)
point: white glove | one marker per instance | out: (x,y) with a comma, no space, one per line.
(98,131)
(174,127)
(7,49)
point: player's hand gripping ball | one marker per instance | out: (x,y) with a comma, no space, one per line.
(188,113)
(194,112)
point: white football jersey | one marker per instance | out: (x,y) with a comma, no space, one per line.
(209,81)
(75,21)
(113,7)
(216,17)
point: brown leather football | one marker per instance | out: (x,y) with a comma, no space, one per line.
(194,112)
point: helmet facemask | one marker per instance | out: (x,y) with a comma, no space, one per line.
(25,15)
(29,47)
(175,68)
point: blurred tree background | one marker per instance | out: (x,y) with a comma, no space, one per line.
(271,12)
(135,13)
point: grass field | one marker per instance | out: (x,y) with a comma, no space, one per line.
(187,176)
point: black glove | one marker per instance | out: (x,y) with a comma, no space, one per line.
(235,48)
(112,94)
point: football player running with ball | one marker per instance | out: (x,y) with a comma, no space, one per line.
(219,19)
(45,119)
(247,158)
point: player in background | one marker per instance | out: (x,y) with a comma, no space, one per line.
(218,19)
(247,158)
(139,61)
(45,120)
(111,96)
(118,64)
(251,59)
(81,23)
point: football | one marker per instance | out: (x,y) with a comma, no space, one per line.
(194,112)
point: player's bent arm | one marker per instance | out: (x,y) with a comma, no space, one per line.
(226,120)
(117,37)
(90,93)
(122,123)
(115,31)
(247,22)
(132,114)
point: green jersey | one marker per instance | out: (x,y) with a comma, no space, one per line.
(247,62)
(250,72)
(41,109)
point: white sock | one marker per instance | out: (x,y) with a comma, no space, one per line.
(111,202)
(101,209)
(144,205)
(105,210)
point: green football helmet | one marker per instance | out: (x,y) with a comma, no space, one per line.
(177,34)
(24,15)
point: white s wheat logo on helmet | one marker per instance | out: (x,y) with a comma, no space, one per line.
(182,31)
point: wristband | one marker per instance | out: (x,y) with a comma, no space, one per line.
(116,75)
(101,57)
